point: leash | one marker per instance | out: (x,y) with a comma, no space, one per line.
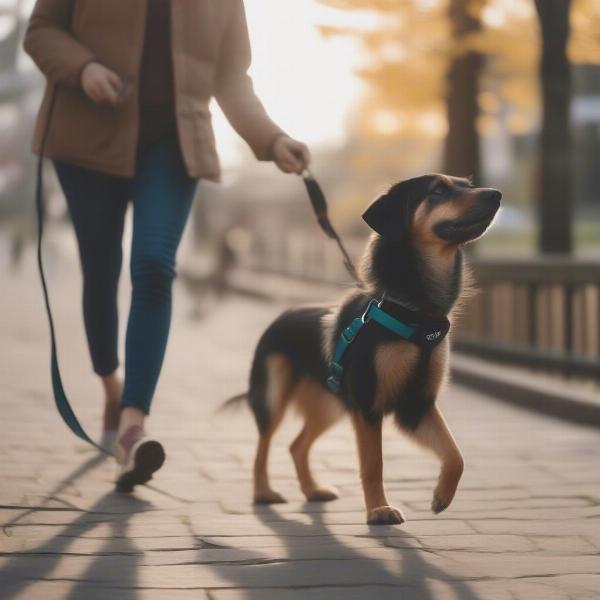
(319,205)
(60,398)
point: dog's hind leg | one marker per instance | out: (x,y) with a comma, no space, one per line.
(269,401)
(433,433)
(320,410)
(368,437)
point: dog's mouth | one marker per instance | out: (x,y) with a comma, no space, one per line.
(464,230)
(475,222)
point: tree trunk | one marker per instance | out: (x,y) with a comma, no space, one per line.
(554,201)
(461,153)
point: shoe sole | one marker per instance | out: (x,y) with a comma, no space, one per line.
(147,458)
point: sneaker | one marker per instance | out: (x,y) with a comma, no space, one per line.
(139,456)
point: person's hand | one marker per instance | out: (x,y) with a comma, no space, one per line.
(290,155)
(103,85)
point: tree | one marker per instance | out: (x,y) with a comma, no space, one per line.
(461,149)
(423,65)
(554,200)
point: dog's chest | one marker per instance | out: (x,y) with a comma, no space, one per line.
(397,363)
(394,364)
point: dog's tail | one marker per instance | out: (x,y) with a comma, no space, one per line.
(234,401)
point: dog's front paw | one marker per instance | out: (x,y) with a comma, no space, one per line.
(442,498)
(385,515)
(438,505)
(269,497)
(323,493)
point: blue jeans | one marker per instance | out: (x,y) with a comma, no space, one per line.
(162,193)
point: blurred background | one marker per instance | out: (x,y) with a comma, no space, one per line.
(507,91)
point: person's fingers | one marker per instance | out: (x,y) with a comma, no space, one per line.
(293,164)
(127,87)
(287,166)
(95,92)
(100,92)
(103,87)
(306,155)
(301,154)
(113,78)
(99,89)
(108,91)
(115,81)
(292,156)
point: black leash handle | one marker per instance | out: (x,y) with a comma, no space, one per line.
(319,205)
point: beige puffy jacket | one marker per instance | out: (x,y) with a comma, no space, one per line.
(211,56)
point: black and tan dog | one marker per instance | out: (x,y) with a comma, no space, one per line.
(414,261)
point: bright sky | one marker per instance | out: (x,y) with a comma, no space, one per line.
(306,81)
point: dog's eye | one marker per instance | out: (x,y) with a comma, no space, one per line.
(439,189)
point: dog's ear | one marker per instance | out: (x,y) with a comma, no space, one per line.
(384,216)
(391,213)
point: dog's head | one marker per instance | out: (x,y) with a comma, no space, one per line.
(433,209)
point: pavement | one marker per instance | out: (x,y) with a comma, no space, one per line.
(525,523)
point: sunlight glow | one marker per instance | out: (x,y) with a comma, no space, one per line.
(497,13)
(305,80)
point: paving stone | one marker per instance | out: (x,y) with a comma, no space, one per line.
(564,545)
(481,543)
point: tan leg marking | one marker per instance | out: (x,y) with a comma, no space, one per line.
(279,388)
(368,438)
(433,433)
(438,368)
(320,410)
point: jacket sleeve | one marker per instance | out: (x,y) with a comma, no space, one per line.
(235,91)
(57,53)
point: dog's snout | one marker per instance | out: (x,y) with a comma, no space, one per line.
(492,197)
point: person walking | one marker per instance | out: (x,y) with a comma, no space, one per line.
(131,121)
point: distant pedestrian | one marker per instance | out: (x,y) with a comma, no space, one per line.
(131,120)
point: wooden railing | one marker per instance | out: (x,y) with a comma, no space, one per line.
(539,312)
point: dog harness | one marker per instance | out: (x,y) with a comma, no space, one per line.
(422,331)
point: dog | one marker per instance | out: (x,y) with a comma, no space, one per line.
(414,267)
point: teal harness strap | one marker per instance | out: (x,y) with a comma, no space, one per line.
(389,322)
(426,333)
(336,369)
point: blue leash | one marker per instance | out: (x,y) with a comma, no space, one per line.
(60,398)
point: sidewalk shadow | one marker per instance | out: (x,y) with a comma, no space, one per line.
(24,569)
(61,487)
(292,570)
